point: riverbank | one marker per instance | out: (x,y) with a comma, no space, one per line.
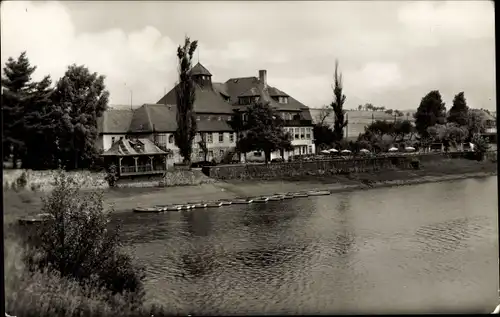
(23,203)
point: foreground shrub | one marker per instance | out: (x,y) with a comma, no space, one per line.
(111,176)
(46,294)
(78,243)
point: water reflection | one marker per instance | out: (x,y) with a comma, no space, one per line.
(389,250)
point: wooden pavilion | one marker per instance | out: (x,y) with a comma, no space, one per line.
(136,157)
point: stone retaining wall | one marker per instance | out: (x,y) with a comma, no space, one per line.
(171,178)
(43,180)
(317,167)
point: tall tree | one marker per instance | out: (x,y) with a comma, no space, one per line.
(264,131)
(459,110)
(431,111)
(41,147)
(17,87)
(185,97)
(79,99)
(238,125)
(338,105)
(324,113)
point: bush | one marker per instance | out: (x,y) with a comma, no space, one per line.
(111,176)
(78,244)
(22,181)
(45,293)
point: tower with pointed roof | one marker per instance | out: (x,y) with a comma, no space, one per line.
(201,76)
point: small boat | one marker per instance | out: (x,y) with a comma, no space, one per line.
(276,198)
(214,204)
(241,201)
(318,192)
(185,207)
(40,218)
(174,208)
(261,200)
(200,205)
(161,207)
(147,209)
(298,195)
(226,202)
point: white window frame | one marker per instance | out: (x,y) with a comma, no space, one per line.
(221,136)
(210,138)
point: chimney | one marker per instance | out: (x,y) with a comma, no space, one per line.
(263,77)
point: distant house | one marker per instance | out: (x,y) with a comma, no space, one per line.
(214,107)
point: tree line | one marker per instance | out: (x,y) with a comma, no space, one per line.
(49,126)
(432,124)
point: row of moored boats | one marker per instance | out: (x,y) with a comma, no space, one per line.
(236,201)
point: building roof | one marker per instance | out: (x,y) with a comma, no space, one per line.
(126,147)
(114,121)
(251,86)
(221,88)
(207,100)
(163,118)
(199,69)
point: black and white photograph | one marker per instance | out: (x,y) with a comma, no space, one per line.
(204,158)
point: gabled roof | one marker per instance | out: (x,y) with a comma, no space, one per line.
(114,121)
(199,69)
(221,88)
(126,147)
(206,101)
(251,86)
(163,118)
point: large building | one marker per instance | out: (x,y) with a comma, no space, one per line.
(214,106)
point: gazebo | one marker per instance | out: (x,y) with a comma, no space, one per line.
(136,157)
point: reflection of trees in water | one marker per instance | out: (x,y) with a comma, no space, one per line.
(269,257)
(344,239)
(272,214)
(194,256)
(198,222)
(195,265)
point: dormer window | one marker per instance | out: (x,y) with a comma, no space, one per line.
(283,100)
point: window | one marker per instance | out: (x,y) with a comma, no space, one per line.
(221,137)
(310,149)
(112,140)
(308,133)
(121,138)
(302,133)
(221,153)
(219,118)
(171,139)
(229,118)
(210,138)
(283,99)
(170,155)
(231,137)
(208,118)
(200,153)
(296,135)
(197,118)
(211,153)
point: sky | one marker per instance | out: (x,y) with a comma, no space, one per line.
(390,53)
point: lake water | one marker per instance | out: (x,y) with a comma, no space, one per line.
(422,248)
